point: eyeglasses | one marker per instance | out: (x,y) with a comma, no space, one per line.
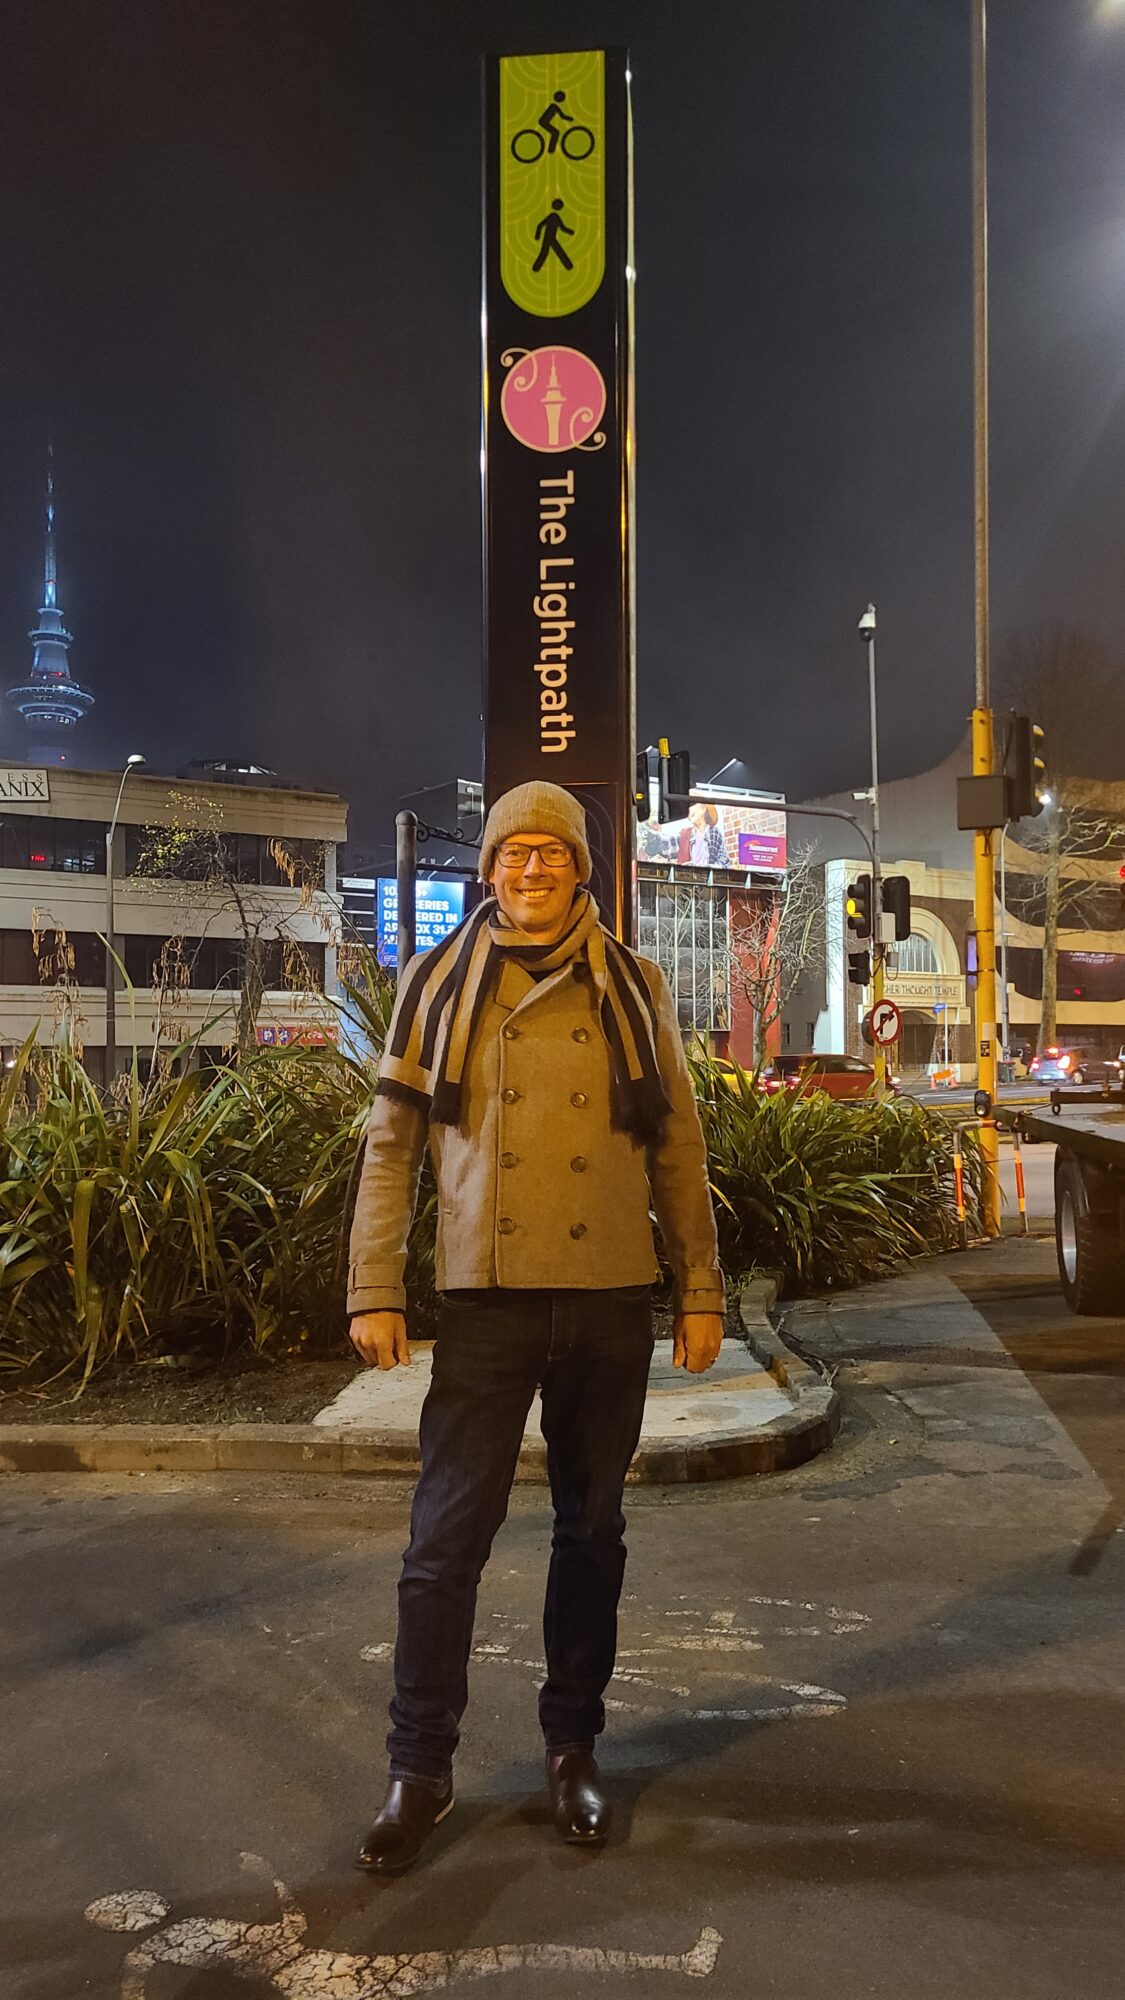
(552,853)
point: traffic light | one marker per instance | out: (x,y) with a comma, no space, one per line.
(1121,881)
(857,903)
(896,904)
(1025,767)
(674,770)
(859,968)
(641,796)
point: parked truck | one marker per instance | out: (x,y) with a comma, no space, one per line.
(1088,1133)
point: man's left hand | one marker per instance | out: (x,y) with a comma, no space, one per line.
(696,1340)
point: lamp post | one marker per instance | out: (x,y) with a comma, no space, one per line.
(110,941)
(984,750)
(867,633)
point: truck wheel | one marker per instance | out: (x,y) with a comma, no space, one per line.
(1091,1264)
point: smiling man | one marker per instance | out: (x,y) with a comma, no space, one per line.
(542,1061)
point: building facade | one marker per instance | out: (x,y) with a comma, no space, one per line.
(931,974)
(182,943)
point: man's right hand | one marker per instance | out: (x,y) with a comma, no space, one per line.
(379,1339)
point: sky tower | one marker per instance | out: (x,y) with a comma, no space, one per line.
(52,702)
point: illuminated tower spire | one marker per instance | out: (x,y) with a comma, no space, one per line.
(52,702)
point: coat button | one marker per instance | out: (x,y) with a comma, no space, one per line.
(577,1229)
(578,1164)
(578,1098)
(576,1034)
(506,1225)
(507,1159)
(509,1096)
(510,1034)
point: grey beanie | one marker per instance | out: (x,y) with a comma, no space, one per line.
(536,808)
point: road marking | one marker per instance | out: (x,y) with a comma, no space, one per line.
(273,1954)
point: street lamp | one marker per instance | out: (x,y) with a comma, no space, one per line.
(866,628)
(110,967)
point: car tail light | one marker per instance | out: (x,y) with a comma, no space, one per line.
(1051,1052)
(1034,1063)
(1064,1062)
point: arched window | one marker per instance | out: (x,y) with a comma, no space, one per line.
(916,954)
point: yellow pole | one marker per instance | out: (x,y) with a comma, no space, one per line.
(880,1053)
(984,887)
(984,899)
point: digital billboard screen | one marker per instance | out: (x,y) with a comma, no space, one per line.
(438,909)
(751,837)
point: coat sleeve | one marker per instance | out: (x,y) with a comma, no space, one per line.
(384,1207)
(677,1171)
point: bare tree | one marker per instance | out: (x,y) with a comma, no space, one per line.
(776,940)
(198,853)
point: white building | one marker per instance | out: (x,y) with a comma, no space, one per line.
(53,827)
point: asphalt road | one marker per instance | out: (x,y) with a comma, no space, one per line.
(867,1738)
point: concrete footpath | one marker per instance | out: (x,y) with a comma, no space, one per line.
(761,1408)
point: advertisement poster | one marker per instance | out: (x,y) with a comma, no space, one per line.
(750,837)
(439,908)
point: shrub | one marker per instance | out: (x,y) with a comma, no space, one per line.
(825,1192)
(208,1212)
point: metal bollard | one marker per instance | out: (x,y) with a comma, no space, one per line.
(959,1186)
(1021,1195)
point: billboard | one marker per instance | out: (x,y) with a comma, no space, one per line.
(751,837)
(438,909)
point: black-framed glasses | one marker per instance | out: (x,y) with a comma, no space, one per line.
(517,854)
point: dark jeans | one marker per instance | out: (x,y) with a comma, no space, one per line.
(589,1352)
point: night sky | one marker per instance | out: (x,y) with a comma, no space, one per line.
(239,245)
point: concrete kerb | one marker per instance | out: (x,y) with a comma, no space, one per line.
(782,1441)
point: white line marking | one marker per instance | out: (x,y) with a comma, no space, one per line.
(273,1955)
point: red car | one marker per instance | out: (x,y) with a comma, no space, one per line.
(838,1076)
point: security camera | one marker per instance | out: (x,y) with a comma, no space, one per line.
(867,623)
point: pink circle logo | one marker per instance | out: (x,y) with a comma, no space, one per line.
(553,398)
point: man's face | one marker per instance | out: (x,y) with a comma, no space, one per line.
(535,896)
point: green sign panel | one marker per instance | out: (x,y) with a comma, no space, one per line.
(552,180)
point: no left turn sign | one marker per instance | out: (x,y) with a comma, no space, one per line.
(886,1023)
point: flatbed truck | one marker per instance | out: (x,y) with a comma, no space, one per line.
(1088,1133)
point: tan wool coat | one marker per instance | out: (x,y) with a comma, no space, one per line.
(535,1189)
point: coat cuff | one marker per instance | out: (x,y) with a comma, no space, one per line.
(372,1289)
(700,1291)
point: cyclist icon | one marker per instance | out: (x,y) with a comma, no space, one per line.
(576,141)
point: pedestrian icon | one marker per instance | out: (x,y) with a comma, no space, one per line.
(561,130)
(550,229)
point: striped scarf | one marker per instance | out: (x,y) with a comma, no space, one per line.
(445,991)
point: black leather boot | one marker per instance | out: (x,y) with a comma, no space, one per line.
(579,1806)
(406,1819)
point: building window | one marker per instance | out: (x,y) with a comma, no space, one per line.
(72,846)
(213,963)
(685,927)
(916,954)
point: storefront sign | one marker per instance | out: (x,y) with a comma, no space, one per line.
(17,782)
(557,413)
(926,989)
(291,1034)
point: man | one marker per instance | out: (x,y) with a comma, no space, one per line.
(542,1061)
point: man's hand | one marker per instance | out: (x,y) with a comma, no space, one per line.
(696,1340)
(380,1339)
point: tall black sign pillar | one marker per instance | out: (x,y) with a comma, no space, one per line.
(557,458)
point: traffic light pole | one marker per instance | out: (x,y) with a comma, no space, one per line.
(984,880)
(879,1052)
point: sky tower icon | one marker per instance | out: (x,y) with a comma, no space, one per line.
(554,403)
